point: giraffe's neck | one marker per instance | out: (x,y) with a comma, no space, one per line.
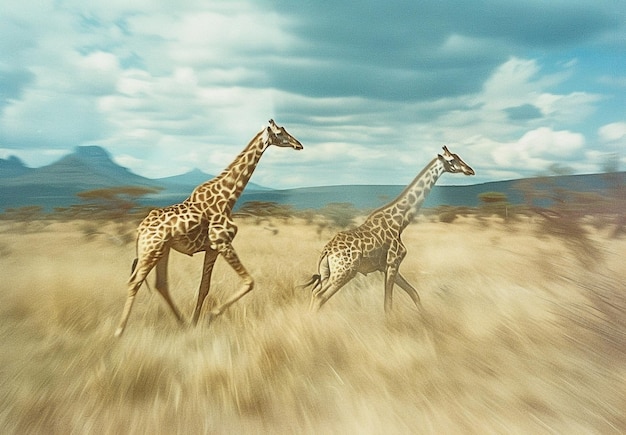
(224,190)
(404,208)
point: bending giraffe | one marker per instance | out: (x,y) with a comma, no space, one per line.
(376,244)
(201,223)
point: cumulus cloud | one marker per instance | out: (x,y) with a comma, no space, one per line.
(536,150)
(366,87)
(613,132)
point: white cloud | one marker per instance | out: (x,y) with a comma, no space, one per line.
(48,119)
(520,82)
(613,132)
(568,108)
(538,148)
(511,84)
(613,80)
(181,123)
(547,141)
(167,87)
(216,37)
(96,73)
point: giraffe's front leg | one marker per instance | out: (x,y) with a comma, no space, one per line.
(162,285)
(395,255)
(207,270)
(229,254)
(390,279)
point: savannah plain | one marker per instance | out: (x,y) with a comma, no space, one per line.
(522,331)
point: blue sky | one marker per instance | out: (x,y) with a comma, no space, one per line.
(372,89)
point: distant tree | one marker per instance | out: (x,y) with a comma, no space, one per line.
(308,215)
(113,202)
(493,198)
(449,213)
(23,214)
(263,210)
(561,210)
(25,217)
(494,203)
(556,169)
(446,214)
(340,214)
(610,164)
(616,186)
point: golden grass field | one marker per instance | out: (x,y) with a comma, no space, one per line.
(522,333)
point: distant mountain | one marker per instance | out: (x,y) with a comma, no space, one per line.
(86,168)
(195,177)
(12,167)
(178,187)
(91,167)
(56,185)
(368,197)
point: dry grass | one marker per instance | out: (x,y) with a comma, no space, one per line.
(519,334)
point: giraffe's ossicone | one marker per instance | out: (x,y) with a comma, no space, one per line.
(376,244)
(201,223)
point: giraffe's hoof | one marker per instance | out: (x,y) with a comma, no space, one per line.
(211,315)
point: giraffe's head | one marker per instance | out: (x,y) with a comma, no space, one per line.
(453,163)
(277,135)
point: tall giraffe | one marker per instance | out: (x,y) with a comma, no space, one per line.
(202,222)
(376,244)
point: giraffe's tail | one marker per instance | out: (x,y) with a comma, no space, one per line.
(315,281)
(323,273)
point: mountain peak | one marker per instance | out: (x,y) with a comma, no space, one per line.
(191,178)
(12,167)
(198,172)
(11,161)
(92,151)
(90,165)
(93,156)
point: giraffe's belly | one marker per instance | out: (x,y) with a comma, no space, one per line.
(373,261)
(185,248)
(190,243)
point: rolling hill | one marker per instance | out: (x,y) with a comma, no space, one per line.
(88,167)
(91,167)
(367,197)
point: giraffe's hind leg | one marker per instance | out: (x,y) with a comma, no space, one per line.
(132,291)
(317,297)
(137,277)
(409,289)
(320,297)
(328,288)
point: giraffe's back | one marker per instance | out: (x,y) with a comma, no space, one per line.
(179,226)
